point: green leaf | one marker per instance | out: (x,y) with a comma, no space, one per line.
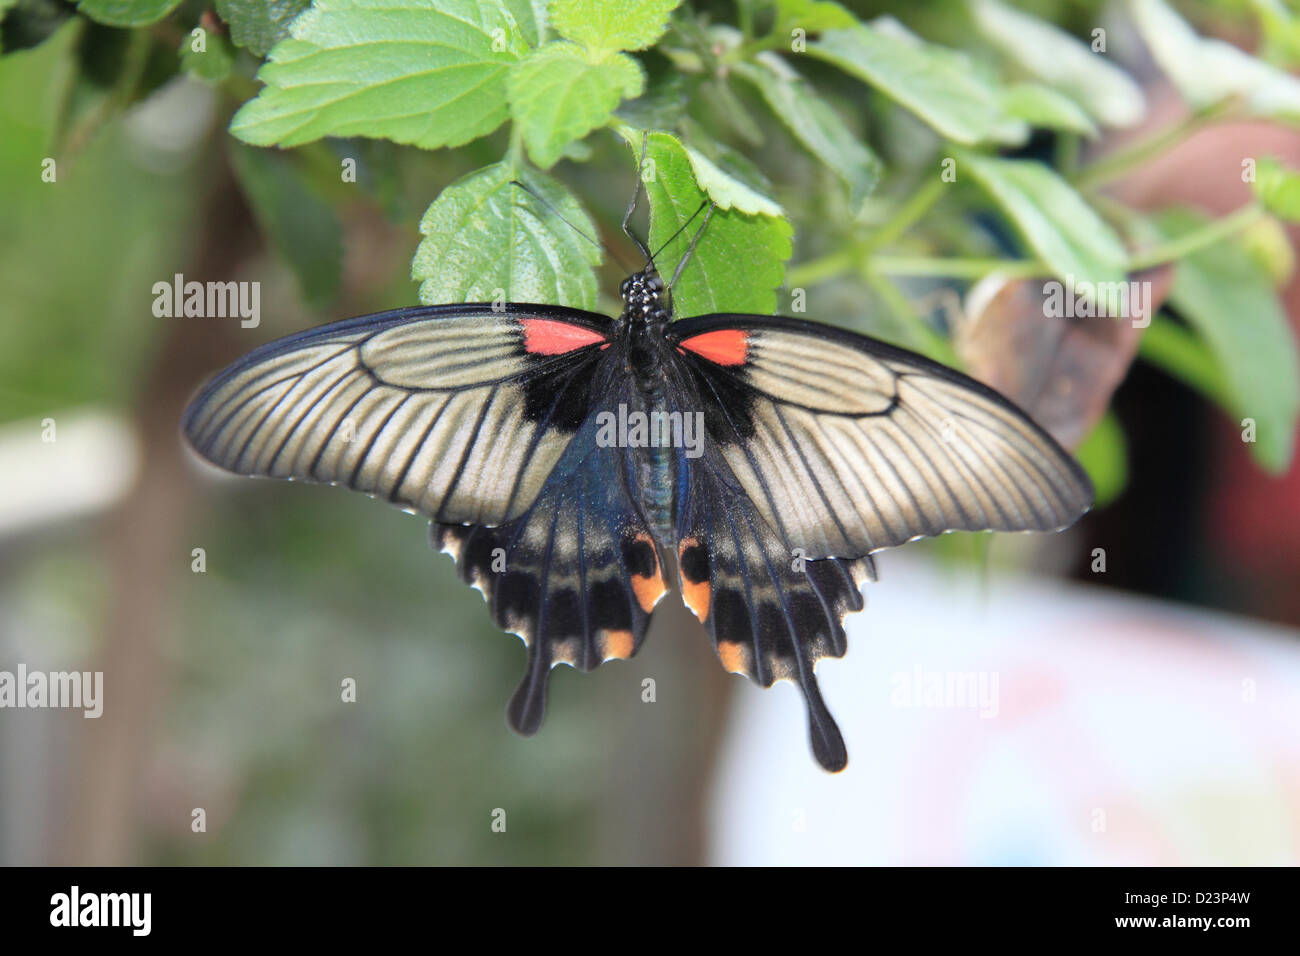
(1278,188)
(485,239)
(1179,352)
(1043,106)
(1281,32)
(662,105)
(812,16)
(32,24)
(212,65)
(427,72)
(726,190)
(530,15)
(6,6)
(558,94)
(127,13)
(110,68)
(1048,53)
(723,112)
(258,25)
(1266,241)
(1104,456)
(602,25)
(1209,71)
(303,229)
(1064,231)
(936,84)
(1228,299)
(740,260)
(816,126)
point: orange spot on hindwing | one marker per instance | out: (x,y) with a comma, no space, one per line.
(617,644)
(553,337)
(693,561)
(734,656)
(725,346)
(643,561)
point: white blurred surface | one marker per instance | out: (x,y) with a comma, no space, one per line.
(71,464)
(1122,731)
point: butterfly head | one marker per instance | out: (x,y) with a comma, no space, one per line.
(644,305)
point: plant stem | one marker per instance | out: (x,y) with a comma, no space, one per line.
(746,16)
(1198,239)
(819,270)
(745,51)
(907,215)
(925,339)
(1115,164)
(515,151)
(848,260)
(957,268)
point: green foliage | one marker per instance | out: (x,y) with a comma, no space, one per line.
(1104,456)
(559,94)
(258,25)
(738,264)
(600,25)
(1056,57)
(303,228)
(1227,298)
(414,71)
(1054,219)
(813,16)
(796,116)
(1047,108)
(211,64)
(127,13)
(816,126)
(1208,71)
(1278,188)
(936,84)
(488,239)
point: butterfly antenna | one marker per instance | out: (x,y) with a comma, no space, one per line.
(695,240)
(555,212)
(560,216)
(683,227)
(636,198)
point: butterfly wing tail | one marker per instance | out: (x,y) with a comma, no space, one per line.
(772,613)
(576,576)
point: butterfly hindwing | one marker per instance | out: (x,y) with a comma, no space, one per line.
(846,445)
(576,575)
(456,412)
(771,613)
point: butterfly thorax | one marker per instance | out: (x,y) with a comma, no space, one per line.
(643,321)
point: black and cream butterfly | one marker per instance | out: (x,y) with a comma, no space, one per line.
(818,448)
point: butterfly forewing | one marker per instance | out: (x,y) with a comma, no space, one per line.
(458,412)
(846,445)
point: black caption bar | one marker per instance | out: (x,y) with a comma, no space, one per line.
(122,905)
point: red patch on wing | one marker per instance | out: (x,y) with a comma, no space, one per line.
(553,337)
(725,346)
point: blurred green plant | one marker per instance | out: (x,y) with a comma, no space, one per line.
(892,158)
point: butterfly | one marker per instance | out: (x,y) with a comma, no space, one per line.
(580,467)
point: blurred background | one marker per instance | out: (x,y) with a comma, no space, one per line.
(1005,701)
